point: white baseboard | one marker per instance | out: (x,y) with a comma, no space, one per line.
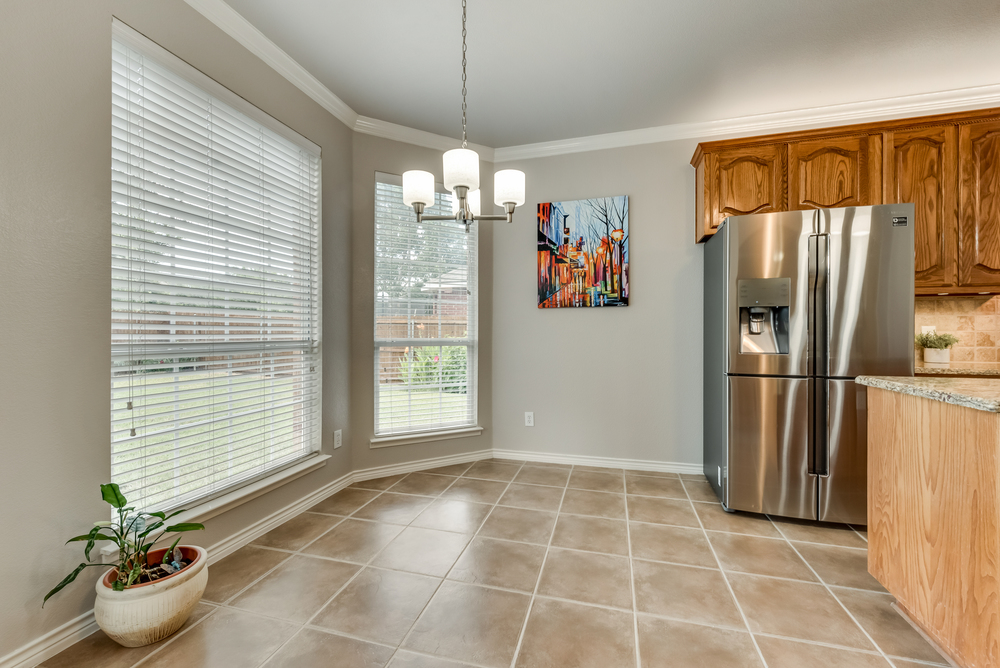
(420,465)
(603,462)
(50,644)
(55,641)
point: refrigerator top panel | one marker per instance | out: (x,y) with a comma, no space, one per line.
(767,295)
(870,292)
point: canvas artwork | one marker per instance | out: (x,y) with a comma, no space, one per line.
(583,253)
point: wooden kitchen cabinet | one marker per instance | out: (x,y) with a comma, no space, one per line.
(835,171)
(737,182)
(979,201)
(921,166)
(948,166)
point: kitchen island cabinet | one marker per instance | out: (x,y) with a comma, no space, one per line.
(934,507)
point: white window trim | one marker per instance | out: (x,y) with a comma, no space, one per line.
(213,505)
(426,435)
(439,435)
(237,497)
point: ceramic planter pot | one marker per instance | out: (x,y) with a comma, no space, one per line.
(937,355)
(147,613)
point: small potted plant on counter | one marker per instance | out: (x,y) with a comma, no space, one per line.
(936,346)
(151,592)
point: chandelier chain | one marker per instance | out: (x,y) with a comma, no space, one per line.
(465,142)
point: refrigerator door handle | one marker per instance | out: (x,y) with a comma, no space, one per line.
(819,349)
(820,312)
(811,309)
(819,432)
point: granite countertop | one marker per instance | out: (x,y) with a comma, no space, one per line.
(982,394)
(922,368)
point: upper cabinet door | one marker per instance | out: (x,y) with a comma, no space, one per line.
(747,180)
(979,202)
(834,172)
(921,167)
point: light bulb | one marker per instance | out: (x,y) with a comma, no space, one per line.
(508,186)
(418,187)
(472,202)
(461,169)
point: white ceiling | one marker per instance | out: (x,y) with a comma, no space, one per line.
(543,70)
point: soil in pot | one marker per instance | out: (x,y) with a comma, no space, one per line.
(156,571)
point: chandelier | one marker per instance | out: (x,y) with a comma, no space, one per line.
(461,177)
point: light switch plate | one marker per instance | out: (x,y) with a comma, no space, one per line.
(529,419)
(928,329)
(338,439)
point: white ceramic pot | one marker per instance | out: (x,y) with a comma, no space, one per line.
(937,355)
(147,613)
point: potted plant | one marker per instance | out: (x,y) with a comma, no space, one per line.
(151,592)
(936,346)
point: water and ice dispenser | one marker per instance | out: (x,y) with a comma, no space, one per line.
(763,304)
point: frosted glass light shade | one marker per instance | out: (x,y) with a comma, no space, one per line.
(418,186)
(508,186)
(461,168)
(472,201)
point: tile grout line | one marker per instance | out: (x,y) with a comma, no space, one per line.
(375,556)
(830,592)
(631,578)
(461,554)
(538,578)
(344,586)
(176,635)
(725,578)
(362,567)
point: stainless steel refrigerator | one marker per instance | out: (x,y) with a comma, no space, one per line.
(797,305)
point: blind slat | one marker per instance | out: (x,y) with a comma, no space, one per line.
(215,376)
(425,288)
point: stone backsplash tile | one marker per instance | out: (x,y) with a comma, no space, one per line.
(974,319)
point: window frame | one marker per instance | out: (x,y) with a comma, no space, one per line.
(246,488)
(471,342)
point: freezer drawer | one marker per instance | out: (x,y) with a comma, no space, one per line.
(843,495)
(768,467)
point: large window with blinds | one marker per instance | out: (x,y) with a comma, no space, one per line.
(215,310)
(426,296)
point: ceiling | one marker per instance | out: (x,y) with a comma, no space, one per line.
(544,70)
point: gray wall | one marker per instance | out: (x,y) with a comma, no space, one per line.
(55,277)
(608,382)
(374,154)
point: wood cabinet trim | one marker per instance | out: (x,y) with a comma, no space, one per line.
(875,127)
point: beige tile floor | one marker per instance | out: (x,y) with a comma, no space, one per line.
(511,564)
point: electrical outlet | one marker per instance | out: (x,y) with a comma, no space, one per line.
(529,419)
(338,438)
(928,329)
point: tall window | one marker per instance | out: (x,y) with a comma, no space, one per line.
(215,366)
(426,297)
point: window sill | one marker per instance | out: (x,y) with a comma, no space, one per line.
(219,505)
(423,437)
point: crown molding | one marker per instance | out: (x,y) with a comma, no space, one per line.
(408,135)
(963,99)
(237,27)
(244,32)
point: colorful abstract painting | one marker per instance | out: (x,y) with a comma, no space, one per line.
(583,253)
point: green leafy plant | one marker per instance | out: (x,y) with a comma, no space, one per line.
(427,369)
(133,533)
(935,340)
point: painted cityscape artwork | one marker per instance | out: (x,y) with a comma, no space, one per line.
(583,253)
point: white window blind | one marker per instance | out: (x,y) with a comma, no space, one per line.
(215,366)
(426,297)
